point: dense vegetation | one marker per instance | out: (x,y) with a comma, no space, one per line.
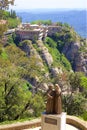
(19,100)
(57,56)
(19,70)
(15,91)
(12,21)
(45,22)
(4,4)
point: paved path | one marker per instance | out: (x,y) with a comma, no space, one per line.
(68,127)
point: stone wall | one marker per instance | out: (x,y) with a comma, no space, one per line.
(28,34)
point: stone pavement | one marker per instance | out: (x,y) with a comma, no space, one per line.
(68,127)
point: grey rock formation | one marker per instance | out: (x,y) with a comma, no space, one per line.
(56,71)
(30,51)
(78,59)
(46,56)
(81,63)
(70,50)
(43,86)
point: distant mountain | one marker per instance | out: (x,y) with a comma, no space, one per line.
(75,18)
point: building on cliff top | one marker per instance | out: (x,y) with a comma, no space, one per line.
(28,31)
(31,32)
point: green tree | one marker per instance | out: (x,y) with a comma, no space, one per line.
(74,79)
(13,23)
(38,104)
(4,4)
(74,104)
(3,28)
(5,15)
(13,14)
(10,40)
(83,84)
(13,95)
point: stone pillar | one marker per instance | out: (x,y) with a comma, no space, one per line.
(53,122)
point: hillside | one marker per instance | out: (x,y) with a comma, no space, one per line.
(27,67)
(73,47)
(8,20)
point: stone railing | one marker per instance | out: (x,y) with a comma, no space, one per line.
(75,121)
(21,126)
(72,120)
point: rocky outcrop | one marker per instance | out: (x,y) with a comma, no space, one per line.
(56,71)
(70,50)
(46,56)
(42,56)
(31,51)
(81,62)
(77,58)
(43,86)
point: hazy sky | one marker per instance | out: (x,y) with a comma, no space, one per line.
(29,4)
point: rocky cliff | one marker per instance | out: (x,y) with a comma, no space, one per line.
(44,58)
(52,54)
(77,58)
(73,47)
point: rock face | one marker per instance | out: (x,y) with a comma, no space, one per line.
(71,50)
(46,56)
(43,87)
(42,56)
(78,59)
(81,63)
(30,51)
(55,71)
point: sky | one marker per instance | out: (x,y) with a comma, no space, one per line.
(34,4)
